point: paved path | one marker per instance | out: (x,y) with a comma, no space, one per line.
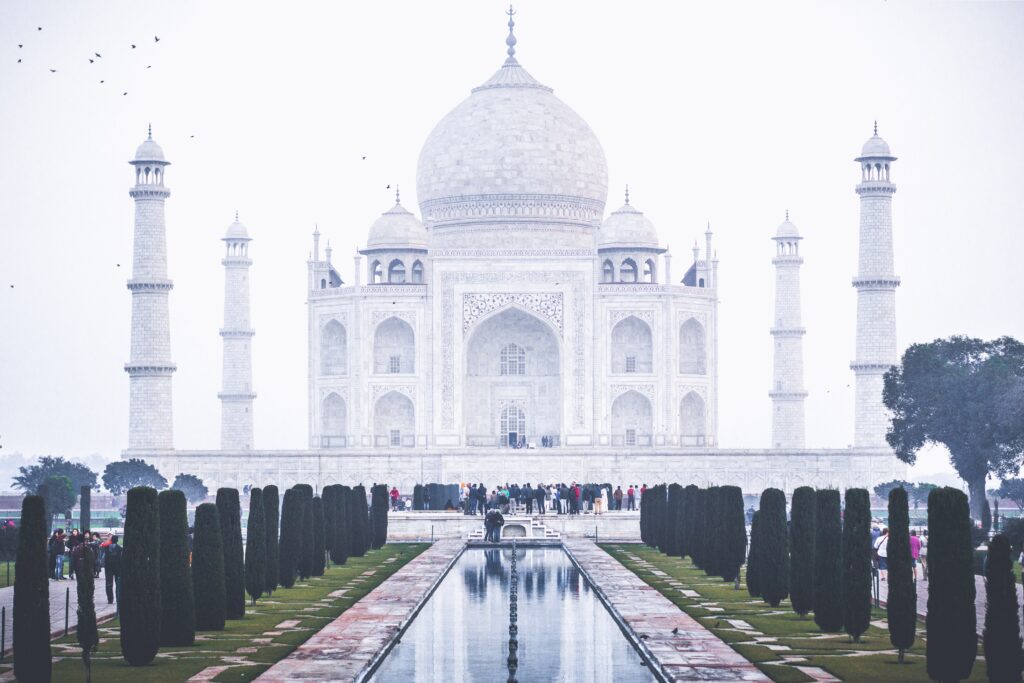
(58,592)
(676,642)
(979,599)
(349,646)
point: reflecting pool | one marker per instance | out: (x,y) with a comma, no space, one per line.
(564,631)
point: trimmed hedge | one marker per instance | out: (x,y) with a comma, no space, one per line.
(1002,628)
(901,606)
(753,558)
(828,563)
(86,633)
(319,558)
(733,540)
(773,555)
(342,542)
(271,518)
(32,661)
(208,569)
(140,604)
(379,516)
(230,511)
(330,514)
(85,508)
(255,547)
(857,562)
(178,617)
(291,538)
(801,560)
(306,550)
(359,524)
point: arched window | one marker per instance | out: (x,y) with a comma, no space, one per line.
(649,273)
(513,426)
(632,421)
(632,346)
(394,421)
(608,272)
(333,417)
(394,348)
(692,352)
(333,348)
(323,283)
(628,271)
(692,421)
(417,273)
(513,360)
(396,273)
(376,273)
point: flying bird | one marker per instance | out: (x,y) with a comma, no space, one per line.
(92,61)
(53,71)
(675,630)
(156,39)
(39,28)
(19,61)
(102,81)
(98,55)
(364,158)
(20,46)
(388,187)
(118,265)
(150,66)
(133,47)
(124,93)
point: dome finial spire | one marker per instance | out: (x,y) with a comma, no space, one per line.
(511,40)
(787,214)
(398,197)
(627,193)
(149,134)
(876,126)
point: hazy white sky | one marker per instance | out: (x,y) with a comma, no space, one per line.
(723,112)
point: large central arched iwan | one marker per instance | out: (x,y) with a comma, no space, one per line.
(512,385)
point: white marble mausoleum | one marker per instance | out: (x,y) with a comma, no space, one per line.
(514,329)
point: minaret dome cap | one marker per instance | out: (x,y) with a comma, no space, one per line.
(236,231)
(787,230)
(149,151)
(876,148)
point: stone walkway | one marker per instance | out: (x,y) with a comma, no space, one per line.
(58,594)
(348,647)
(979,599)
(677,643)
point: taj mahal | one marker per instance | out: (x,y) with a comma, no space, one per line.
(515,329)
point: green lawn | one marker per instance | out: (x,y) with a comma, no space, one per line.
(6,574)
(872,659)
(213,648)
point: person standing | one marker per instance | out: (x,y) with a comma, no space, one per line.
(599,501)
(59,550)
(538,493)
(112,569)
(395,496)
(528,498)
(915,550)
(882,552)
(630,498)
(617,496)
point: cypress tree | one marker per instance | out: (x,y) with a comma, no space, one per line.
(801,561)
(291,537)
(734,534)
(271,517)
(340,544)
(753,559)
(710,531)
(140,605)
(255,547)
(230,511)
(307,550)
(828,563)
(857,562)
(417,497)
(1002,629)
(329,514)
(697,534)
(85,508)
(901,605)
(661,517)
(319,558)
(178,625)
(645,519)
(32,596)
(87,634)
(675,501)
(208,569)
(359,524)
(380,516)
(773,555)
(952,641)
(689,529)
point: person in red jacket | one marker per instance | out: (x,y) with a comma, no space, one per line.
(395,497)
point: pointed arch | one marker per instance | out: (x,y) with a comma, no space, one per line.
(632,346)
(632,420)
(512,425)
(650,271)
(513,360)
(692,348)
(394,421)
(417,272)
(376,273)
(333,420)
(608,271)
(394,347)
(628,271)
(692,420)
(333,349)
(396,272)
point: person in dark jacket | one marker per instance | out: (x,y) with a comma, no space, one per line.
(492,526)
(538,493)
(527,493)
(112,568)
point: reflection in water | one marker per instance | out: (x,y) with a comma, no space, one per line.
(563,632)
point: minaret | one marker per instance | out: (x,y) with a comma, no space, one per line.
(236,395)
(788,334)
(876,285)
(150,419)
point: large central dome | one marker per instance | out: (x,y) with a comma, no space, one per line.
(512,152)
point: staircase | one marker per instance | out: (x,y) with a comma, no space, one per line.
(527,528)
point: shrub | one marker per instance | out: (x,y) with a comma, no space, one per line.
(801,561)
(688,526)
(306,549)
(319,558)
(330,512)
(359,523)
(753,560)
(734,533)
(178,625)
(86,632)
(341,542)
(32,596)
(828,563)
(901,605)
(417,497)
(270,522)
(671,516)
(291,538)
(379,496)
(857,552)
(951,644)
(139,605)
(699,536)
(1002,628)
(773,555)
(255,547)
(230,511)
(208,569)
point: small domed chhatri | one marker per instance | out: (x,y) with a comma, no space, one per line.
(875,148)
(149,150)
(396,229)
(787,229)
(236,231)
(627,227)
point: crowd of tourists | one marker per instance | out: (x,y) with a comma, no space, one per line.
(562,499)
(67,550)
(880,554)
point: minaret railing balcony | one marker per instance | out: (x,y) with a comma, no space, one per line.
(788,331)
(149,192)
(788,260)
(869,283)
(236,396)
(237,333)
(788,395)
(150,285)
(236,261)
(150,369)
(876,187)
(870,368)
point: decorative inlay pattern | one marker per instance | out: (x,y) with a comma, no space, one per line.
(647,390)
(378,390)
(340,316)
(616,316)
(380,316)
(501,253)
(698,389)
(547,305)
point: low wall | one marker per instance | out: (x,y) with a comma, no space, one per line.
(422,526)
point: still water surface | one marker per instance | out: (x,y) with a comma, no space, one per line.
(565,632)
